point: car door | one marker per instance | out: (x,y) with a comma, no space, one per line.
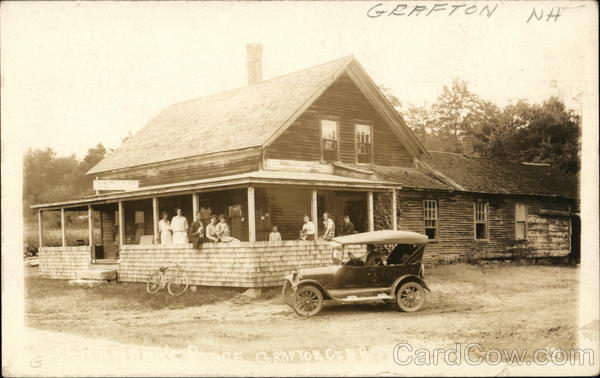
(350,277)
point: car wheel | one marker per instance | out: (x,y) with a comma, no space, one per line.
(287,294)
(307,301)
(410,296)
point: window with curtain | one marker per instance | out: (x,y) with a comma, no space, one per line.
(520,222)
(430,218)
(481,219)
(364,144)
(329,140)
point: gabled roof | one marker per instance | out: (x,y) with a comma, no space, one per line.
(251,116)
(485,175)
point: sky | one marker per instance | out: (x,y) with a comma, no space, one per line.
(75,74)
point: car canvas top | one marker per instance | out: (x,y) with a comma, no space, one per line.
(383,237)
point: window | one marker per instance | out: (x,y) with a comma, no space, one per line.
(329,140)
(364,144)
(481,218)
(430,217)
(520,222)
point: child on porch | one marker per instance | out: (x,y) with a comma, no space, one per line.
(164,227)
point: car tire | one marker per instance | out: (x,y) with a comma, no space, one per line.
(307,301)
(410,296)
(287,294)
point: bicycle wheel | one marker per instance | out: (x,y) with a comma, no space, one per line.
(178,284)
(154,282)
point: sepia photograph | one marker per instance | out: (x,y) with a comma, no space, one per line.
(294,188)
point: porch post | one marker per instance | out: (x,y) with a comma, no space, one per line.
(370,211)
(121,224)
(394,210)
(91,230)
(62,227)
(251,216)
(155,218)
(314,212)
(40,229)
(195,205)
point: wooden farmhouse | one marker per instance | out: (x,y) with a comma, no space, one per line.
(323,139)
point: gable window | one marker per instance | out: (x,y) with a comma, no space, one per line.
(364,143)
(430,217)
(329,140)
(481,218)
(520,222)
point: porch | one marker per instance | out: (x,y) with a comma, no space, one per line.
(123,233)
(243,264)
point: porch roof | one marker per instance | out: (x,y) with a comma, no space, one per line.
(262,177)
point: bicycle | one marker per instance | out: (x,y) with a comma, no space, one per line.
(170,276)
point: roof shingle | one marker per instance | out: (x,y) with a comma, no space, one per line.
(232,120)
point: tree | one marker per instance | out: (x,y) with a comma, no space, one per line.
(49,178)
(457,114)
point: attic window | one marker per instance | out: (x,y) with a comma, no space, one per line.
(364,144)
(329,140)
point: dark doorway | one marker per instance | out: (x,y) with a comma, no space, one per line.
(575,254)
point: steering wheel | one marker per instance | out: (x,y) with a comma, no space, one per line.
(352,258)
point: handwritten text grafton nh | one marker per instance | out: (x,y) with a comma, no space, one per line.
(414,9)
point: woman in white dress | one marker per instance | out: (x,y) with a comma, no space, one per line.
(164,228)
(179,226)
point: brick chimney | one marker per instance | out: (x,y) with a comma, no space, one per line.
(254,52)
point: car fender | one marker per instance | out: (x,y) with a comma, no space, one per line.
(408,277)
(314,283)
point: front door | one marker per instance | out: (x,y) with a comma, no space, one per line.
(234,213)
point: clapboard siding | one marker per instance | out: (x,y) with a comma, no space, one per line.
(344,101)
(64,262)
(547,235)
(258,264)
(190,169)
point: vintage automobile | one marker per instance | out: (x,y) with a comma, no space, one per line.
(394,276)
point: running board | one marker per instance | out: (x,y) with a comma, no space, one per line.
(354,298)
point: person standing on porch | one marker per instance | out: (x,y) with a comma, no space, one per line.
(308,229)
(196,233)
(179,226)
(274,236)
(347,226)
(211,230)
(329,227)
(164,228)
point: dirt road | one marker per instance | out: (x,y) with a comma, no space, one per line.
(495,306)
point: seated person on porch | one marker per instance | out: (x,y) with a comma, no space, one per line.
(308,229)
(274,235)
(223,231)
(375,258)
(164,228)
(196,232)
(347,226)
(329,227)
(179,226)
(211,230)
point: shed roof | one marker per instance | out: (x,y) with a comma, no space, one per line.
(486,175)
(246,117)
